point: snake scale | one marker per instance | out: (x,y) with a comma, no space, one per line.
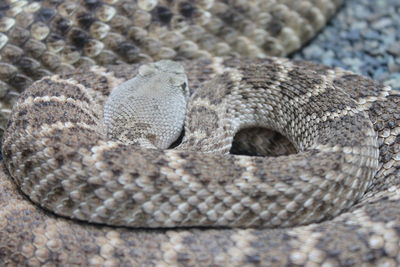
(321,186)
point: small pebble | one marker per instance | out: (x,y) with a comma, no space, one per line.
(394,49)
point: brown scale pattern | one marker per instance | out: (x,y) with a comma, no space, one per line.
(364,232)
(38,38)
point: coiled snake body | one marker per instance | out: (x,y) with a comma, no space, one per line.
(324,192)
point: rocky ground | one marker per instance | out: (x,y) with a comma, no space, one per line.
(364,37)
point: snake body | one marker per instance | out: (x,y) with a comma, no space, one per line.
(322,186)
(57,151)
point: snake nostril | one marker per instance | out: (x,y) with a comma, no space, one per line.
(257,141)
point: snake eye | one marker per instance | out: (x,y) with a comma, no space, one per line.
(183,86)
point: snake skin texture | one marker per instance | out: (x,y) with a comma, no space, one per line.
(39,38)
(54,148)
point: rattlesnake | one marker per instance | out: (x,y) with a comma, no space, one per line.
(49,113)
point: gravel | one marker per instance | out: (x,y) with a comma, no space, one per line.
(364,37)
